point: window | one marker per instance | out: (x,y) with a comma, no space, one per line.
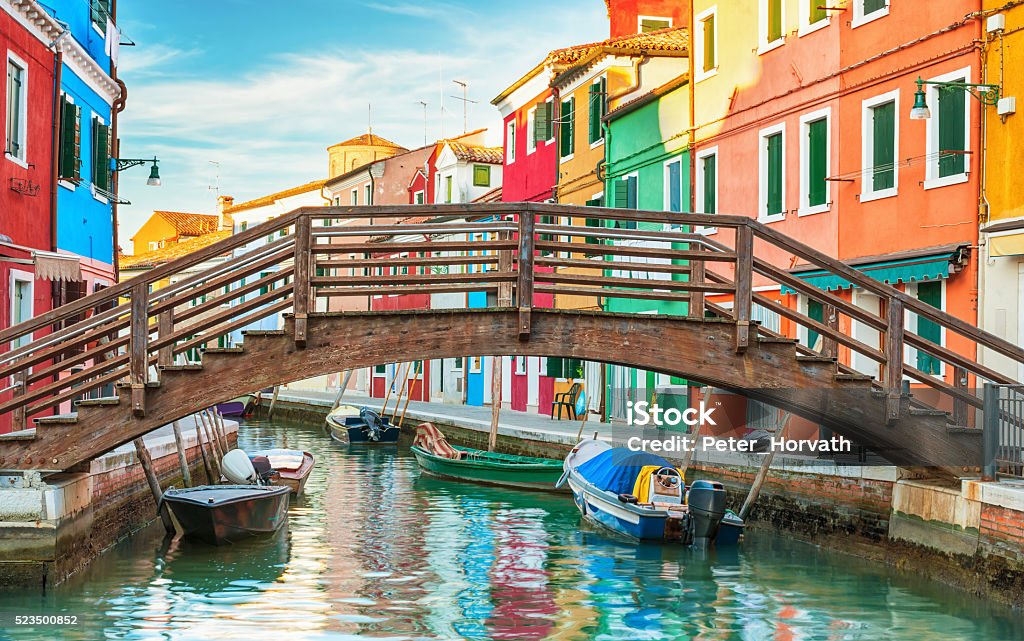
(771,23)
(510,141)
(419,197)
(69,162)
(242,226)
(100,155)
(543,127)
(448,189)
(673,197)
(814,162)
(355,196)
(596,201)
(772,173)
(929,292)
(531,131)
(520,364)
(947,138)
(627,197)
(647,24)
(563,368)
(481,175)
(707,185)
(100,12)
(813,16)
(868,10)
(598,109)
(368,195)
(880,127)
(17,108)
(706,45)
(380,370)
(566,118)
(476,364)
(21,302)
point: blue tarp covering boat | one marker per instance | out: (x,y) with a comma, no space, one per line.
(616,470)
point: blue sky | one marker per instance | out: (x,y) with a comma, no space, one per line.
(262,87)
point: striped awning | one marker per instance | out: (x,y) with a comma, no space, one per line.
(904,270)
(53,266)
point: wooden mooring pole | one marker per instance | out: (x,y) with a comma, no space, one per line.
(408,397)
(762,474)
(341,392)
(147,466)
(202,450)
(498,363)
(273,402)
(688,455)
(179,441)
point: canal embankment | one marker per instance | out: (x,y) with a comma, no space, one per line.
(52,528)
(968,534)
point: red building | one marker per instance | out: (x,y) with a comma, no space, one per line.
(627,17)
(27,185)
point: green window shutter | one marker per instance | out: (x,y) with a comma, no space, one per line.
(774,204)
(481,176)
(555,368)
(883,142)
(774,20)
(815,311)
(674,176)
(929,292)
(871,6)
(952,112)
(816,11)
(67,160)
(709,43)
(594,222)
(631,192)
(542,123)
(566,119)
(573,368)
(621,200)
(101,156)
(594,125)
(710,186)
(817,162)
(448,188)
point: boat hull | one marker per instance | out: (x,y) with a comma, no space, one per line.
(356,434)
(233,408)
(529,476)
(292,478)
(235,513)
(605,509)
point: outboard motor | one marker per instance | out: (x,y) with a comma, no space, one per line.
(264,472)
(707,507)
(238,469)
(374,423)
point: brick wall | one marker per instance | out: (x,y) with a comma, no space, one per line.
(1002,532)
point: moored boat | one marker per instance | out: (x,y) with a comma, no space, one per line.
(220,514)
(438,457)
(292,466)
(361,426)
(643,496)
(235,407)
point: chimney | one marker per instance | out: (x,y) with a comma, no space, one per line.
(223,202)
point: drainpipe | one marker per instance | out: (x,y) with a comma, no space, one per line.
(58,62)
(116,109)
(692,130)
(556,128)
(637,63)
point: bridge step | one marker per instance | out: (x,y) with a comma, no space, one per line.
(149,385)
(927,411)
(57,419)
(191,367)
(782,340)
(224,350)
(963,429)
(98,402)
(264,332)
(20,435)
(851,377)
(809,358)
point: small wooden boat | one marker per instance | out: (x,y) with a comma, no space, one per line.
(361,426)
(643,496)
(439,458)
(235,407)
(292,467)
(220,514)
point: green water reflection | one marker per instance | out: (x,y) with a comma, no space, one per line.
(375,550)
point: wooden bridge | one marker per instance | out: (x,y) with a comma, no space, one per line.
(129,337)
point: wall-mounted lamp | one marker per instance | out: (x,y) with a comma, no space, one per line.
(120,164)
(985,94)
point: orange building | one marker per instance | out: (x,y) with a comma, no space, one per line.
(166,228)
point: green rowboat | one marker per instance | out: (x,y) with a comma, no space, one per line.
(491,468)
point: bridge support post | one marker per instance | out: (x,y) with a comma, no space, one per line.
(960,411)
(303,241)
(139,344)
(696,307)
(525,284)
(744,285)
(504,267)
(165,327)
(829,347)
(18,416)
(893,360)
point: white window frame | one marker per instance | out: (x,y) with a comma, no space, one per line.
(476,364)
(22,111)
(510,141)
(368,194)
(932,179)
(699,186)
(805,120)
(640,22)
(520,365)
(762,161)
(600,141)
(355,196)
(665,195)
(699,73)
(19,276)
(531,127)
(416,194)
(859,18)
(910,322)
(805,19)
(867,192)
(763,46)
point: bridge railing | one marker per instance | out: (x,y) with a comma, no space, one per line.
(509,255)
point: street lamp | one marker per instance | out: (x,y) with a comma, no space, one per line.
(983,93)
(120,164)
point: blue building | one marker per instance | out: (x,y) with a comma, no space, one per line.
(88,106)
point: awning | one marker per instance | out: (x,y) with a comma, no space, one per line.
(53,266)
(1006,245)
(903,270)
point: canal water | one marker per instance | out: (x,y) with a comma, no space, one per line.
(375,550)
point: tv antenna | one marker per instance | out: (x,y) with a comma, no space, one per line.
(424,103)
(465,103)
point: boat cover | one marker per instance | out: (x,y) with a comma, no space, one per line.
(432,440)
(283,459)
(617,469)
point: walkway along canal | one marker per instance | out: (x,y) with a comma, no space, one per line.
(375,549)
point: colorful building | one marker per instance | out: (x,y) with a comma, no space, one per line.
(626,17)
(167,228)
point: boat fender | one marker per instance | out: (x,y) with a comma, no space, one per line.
(628,499)
(561,481)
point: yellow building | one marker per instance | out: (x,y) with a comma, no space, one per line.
(361,150)
(1001,274)
(167,228)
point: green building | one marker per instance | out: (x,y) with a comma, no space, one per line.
(647,166)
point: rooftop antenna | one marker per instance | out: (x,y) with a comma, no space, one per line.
(369,119)
(465,104)
(215,187)
(425,136)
